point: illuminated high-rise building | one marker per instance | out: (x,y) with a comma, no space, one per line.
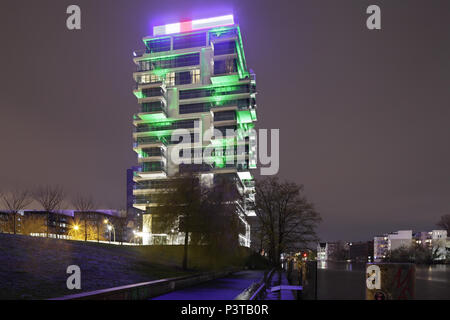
(193,75)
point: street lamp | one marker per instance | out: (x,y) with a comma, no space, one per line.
(110,227)
(76,227)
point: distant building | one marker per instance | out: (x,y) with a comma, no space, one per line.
(435,240)
(380,247)
(131,210)
(332,251)
(391,241)
(59,222)
(322,251)
(402,238)
(361,251)
(439,243)
(134,215)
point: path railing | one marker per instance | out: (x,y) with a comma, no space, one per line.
(147,290)
(257,290)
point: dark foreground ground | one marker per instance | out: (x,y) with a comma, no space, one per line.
(35,268)
(344,281)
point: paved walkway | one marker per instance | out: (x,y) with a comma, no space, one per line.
(220,289)
(280,279)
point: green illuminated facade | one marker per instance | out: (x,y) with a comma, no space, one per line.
(197,81)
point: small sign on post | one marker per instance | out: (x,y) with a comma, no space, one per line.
(390,281)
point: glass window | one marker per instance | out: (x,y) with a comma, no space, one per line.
(228,47)
(213,35)
(217,91)
(184,60)
(225,66)
(170,78)
(158,45)
(195,76)
(152,92)
(148,78)
(224,115)
(183,78)
(189,41)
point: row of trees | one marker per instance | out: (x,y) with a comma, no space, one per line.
(286,220)
(206,214)
(51,199)
(415,254)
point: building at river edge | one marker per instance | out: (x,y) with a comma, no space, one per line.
(193,75)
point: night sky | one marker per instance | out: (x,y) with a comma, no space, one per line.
(364,116)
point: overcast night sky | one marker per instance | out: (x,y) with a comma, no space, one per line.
(364,116)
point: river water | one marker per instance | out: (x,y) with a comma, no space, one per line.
(341,280)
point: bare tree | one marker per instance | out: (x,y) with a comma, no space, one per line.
(33,224)
(444,223)
(179,208)
(85,205)
(50,198)
(120,223)
(15,201)
(259,238)
(287,218)
(219,224)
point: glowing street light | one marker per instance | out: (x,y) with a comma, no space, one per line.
(111,227)
(76,227)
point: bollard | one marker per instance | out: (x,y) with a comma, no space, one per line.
(309,291)
(390,281)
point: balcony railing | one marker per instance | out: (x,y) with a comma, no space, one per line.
(139,84)
(159,107)
(142,200)
(183,124)
(151,185)
(152,168)
(149,140)
(153,92)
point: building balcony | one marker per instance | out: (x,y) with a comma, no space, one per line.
(156,154)
(147,85)
(151,94)
(161,158)
(220,123)
(149,142)
(163,128)
(225,78)
(142,202)
(153,111)
(147,185)
(230,35)
(186,168)
(152,170)
(227,168)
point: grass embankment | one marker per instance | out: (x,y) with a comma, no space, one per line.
(35,268)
